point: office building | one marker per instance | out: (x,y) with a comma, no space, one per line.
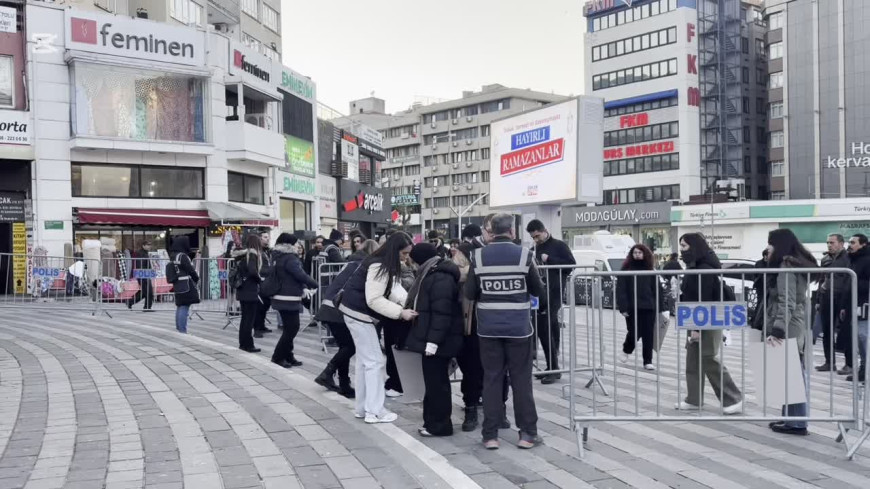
(819,129)
(683,104)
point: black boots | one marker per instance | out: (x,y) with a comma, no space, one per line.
(326,379)
(470,423)
(344,387)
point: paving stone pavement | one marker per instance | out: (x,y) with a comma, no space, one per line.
(126,402)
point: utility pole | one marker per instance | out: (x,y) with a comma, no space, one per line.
(462,212)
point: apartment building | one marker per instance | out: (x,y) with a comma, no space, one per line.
(819,128)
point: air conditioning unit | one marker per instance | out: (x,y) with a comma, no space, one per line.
(434,147)
(435,168)
(396,177)
(469,118)
(455,188)
(433,125)
(434,211)
(468,142)
(435,190)
(455,121)
(221,27)
(468,187)
(455,166)
(455,143)
(468,164)
(405,135)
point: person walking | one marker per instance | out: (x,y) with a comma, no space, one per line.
(702,347)
(505,329)
(265,303)
(859,262)
(786,309)
(672,282)
(292,285)
(142,272)
(184,285)
(551,252)
(394,336)
(436,333)
(638,299)
(309,262)
(249,262)
(831,288)
(372,293)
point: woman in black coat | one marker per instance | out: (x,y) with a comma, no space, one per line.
(436,333)
(288,301)
(249,262)
(638,298)
(186,293)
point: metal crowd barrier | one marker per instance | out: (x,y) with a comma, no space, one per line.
(765,374)
(325,274)
(49,282)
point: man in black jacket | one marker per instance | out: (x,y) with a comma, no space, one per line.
(830,294)
(140,271)
(859,262)
(265,302)
(553,252)
(314,252)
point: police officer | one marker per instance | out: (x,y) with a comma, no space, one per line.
(501,279)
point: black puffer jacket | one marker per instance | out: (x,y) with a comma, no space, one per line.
(648,290)
(859,262)
(292,278)
(702,288)
(249,269)
(440,319)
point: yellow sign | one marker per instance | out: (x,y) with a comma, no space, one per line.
(19,257)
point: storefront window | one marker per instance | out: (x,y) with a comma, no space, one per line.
(244,188)
(295,215)
(131,239)
(137,104)
(659,239)
(7,82)
(148,182)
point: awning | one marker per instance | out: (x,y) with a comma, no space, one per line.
(145,217)
(224,213)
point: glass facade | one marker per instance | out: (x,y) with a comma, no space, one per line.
(145,182)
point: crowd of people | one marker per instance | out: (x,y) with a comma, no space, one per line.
(472,300)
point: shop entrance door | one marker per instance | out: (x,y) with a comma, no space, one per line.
(5,257)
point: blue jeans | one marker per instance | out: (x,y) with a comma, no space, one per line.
(181,313)
(800,409)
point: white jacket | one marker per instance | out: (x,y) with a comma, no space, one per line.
(375,291)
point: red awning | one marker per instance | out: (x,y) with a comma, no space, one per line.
(145,217)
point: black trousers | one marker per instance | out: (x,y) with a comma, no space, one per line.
(549,334)
(246,325)
(146,291)
(472,370)
(646,324)
(346,348)
(437,406)
(262,309)
(284,348)
(829,332)
(394,334)
(502,356)
(845,340)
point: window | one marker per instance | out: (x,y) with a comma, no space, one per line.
(747,164)
(634,135)
(133,115)
(777,168)
(760,76)
(775,80)
(484,131)
(745,74)
(759,106)
(641,107)
(186,12)
(775,51)
(777,195)
(484,176)
(146,182)
(745,105)
(642,194)
(439,202)
(7,82)
(645,164)
(777,139)
(484,153)
(245,188)
(744,45)
(251,7)
(656,7)
(634,44)
(270,18)
(469,133)
(774,21)
(295,215)
(761,165)
(761,134)
(297,116)
(412,170)
(747,135)
(634,74)
(776,110)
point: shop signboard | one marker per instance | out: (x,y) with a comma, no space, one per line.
(19,257)
(402,160)
(295,83)
(14,127)
(299,156)
(8,20)
(817,232)
(134,38)
(851,210)
(254,68)
(643,149)
(53,225)
(370,135)
(326,194)
(405,200)
(617,215)
(350,155)
(550,155)
(363,203)
(297,187)
(11,207)
(725,241)
(706,214)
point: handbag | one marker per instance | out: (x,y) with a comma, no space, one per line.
(336,301)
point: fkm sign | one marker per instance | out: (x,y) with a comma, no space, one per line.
(711,315)
(134,38)
(532,149)
(595,6)
(634,120)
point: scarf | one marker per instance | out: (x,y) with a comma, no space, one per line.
(428,266)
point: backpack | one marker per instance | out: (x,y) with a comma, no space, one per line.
(271,284)
(234,277)
(171,272)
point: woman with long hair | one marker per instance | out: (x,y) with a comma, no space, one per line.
(363,250)
(249,261)
(372,293)
(292,282)
(702,347)
(357,238)
(184,286)
(786,309)
(638,298)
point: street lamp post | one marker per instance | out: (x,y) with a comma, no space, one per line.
(462,212)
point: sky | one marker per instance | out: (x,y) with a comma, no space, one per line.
(404,50)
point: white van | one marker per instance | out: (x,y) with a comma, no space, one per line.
(600,251)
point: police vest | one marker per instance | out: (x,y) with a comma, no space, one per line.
(503,305)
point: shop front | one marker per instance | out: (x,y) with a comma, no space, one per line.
(297,195)
(328,203)
(363,207)
(647,223)
(16,222)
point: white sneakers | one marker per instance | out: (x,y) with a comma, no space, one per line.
(649,366)
(623,357)
(685,406)
(393,394)
(385,417)
(735,408)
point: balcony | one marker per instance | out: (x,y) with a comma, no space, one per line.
(249,142)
